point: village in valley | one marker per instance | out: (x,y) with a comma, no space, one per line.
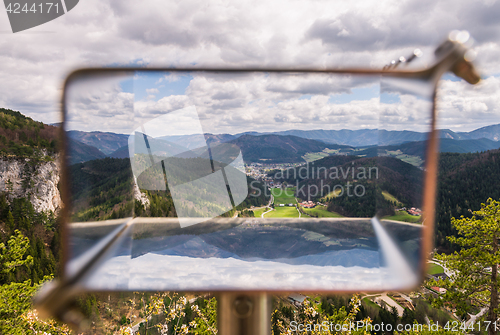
(284,195)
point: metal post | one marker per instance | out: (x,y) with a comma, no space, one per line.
(244,314)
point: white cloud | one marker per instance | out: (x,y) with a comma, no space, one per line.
(292,33)
(152,91)
(237,103)
(100,104)
(150,108)
(411,113)
(463,107)
(261,102)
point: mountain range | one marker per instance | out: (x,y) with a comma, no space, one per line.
(354,138)
(368,137)
(278,149)
(290,146)
(417,148)
(105,142)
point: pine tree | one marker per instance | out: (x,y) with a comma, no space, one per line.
(474,269)
(10,220)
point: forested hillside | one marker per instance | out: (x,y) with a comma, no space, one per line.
(101,189)
(368,176)
(445,145)
(278,149)
(30,147)
(44,240)
(79,152)
(465,181)
(20,136)
(104,189)
(30,243)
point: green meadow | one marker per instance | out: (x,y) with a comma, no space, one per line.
(332,194)
(321,212)
(258,212)
(413,160)
(314,156)
(391,198)
(434,269)
(283,196)
(403,216)
(283,212)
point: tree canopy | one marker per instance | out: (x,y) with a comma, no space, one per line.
(474,269)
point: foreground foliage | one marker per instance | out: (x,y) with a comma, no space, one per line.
(16,315)
(474,278)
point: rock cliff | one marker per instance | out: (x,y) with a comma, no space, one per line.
(36,180)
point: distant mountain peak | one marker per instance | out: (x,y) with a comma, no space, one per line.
(106,142)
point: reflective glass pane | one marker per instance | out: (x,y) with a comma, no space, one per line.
(251,181)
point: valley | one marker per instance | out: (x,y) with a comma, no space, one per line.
(264,154)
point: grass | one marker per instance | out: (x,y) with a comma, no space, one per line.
(258,212)
(413,160)
(321,212)
(390,197)
(368,302)
(434,269)
(394,152)
(332,194)
(314,156)
(283,212)
(283,196)
(403,216)
(436,314)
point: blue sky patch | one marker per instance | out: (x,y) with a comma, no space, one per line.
(157,80)
(357,94)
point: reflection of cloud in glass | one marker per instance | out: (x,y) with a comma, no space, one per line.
(181,273)
(353,254)
(203,183)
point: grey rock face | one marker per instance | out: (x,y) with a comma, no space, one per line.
(22,177)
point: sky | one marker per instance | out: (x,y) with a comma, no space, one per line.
(248,33)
